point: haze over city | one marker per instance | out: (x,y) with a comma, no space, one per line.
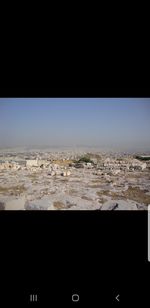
(122,123)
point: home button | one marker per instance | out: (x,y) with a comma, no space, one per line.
(75,298)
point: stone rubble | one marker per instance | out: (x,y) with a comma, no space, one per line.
(60,180)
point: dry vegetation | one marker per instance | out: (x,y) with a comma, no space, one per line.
(62,162)
(86,198)
(59,205)
(96,181)
(15,190)
(64,180)
(34,176)
(103,192)
(132,193)
(72,191)
(95,186)
(138,195)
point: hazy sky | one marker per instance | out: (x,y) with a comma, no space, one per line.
(121,123)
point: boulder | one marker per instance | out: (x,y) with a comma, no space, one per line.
(119,205)
(39,204)
(16,204)
(32,163)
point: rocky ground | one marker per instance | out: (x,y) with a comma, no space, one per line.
(64,185)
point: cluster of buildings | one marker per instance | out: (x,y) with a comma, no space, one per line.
(9,165)
(114,165)
(119,165)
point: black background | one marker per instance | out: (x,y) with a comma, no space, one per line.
(96,254)
(54,254)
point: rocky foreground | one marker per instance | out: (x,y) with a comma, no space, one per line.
(65,181)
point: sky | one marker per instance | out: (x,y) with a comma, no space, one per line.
(121,123)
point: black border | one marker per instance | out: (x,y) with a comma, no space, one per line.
(104,92)
(58,253)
